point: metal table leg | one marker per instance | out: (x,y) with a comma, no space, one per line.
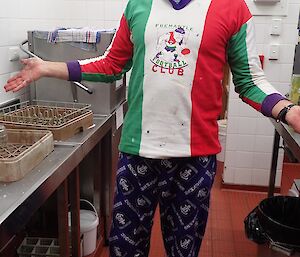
(106,167)
(274,164)
(62,212)
(75,211)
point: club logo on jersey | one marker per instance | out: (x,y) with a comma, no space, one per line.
(171,51)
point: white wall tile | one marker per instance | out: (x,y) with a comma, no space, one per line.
(262,160)
(247,125)
(244,159)
(10,9)
(113,10)
(260,177)
(247,111)
(245,143)
(287,53)
(263,144)
(111,24)
(243,176)
(282,87)
(286,71)
(96,23)
(260,33)
(264,127)
(230,159)
(96,10)
(272,71)
(293,13)
(228,175)
(234,107)
(289,34)
(232,142)
(233,126)
(4,31)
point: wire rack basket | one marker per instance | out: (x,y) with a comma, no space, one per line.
(63,119)
(22,151)
(40,247)
(8,151)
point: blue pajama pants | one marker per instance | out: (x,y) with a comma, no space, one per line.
(181,186)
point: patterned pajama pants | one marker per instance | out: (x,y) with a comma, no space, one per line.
(181,186)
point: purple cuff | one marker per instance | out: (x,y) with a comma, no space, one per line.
(269,102)
(74,71)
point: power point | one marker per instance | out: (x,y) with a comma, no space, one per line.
(13,53)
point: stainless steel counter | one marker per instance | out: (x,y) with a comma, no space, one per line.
(291,139)
(20,199)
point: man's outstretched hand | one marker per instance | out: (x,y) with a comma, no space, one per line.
(33,70)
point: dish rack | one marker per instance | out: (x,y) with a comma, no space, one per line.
(40,247)
(37,247)
(63,119)
(22,151)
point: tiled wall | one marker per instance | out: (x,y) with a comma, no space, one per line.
(250,135)
(19,16)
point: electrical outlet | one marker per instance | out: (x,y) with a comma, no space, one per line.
(274,52)
(13,53)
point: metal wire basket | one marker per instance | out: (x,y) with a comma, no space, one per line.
(43,113)
(63,119)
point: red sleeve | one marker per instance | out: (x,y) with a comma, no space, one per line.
(115,61)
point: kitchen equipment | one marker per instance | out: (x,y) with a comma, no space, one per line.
(105,97)
(63,119)
(23,150)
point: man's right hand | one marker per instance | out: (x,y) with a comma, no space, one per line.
(33,70)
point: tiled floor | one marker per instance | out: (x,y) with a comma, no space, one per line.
(225,235)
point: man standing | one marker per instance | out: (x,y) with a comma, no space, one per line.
(177,50)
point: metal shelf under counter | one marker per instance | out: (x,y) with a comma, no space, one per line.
(20,199)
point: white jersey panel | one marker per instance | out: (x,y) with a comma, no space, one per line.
(172,41)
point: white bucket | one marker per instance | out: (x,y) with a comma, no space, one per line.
(222,139)
(89,221)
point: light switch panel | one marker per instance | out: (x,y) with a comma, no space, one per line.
(274,52)
(276,26)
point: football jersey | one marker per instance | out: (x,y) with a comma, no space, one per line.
(177,59)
